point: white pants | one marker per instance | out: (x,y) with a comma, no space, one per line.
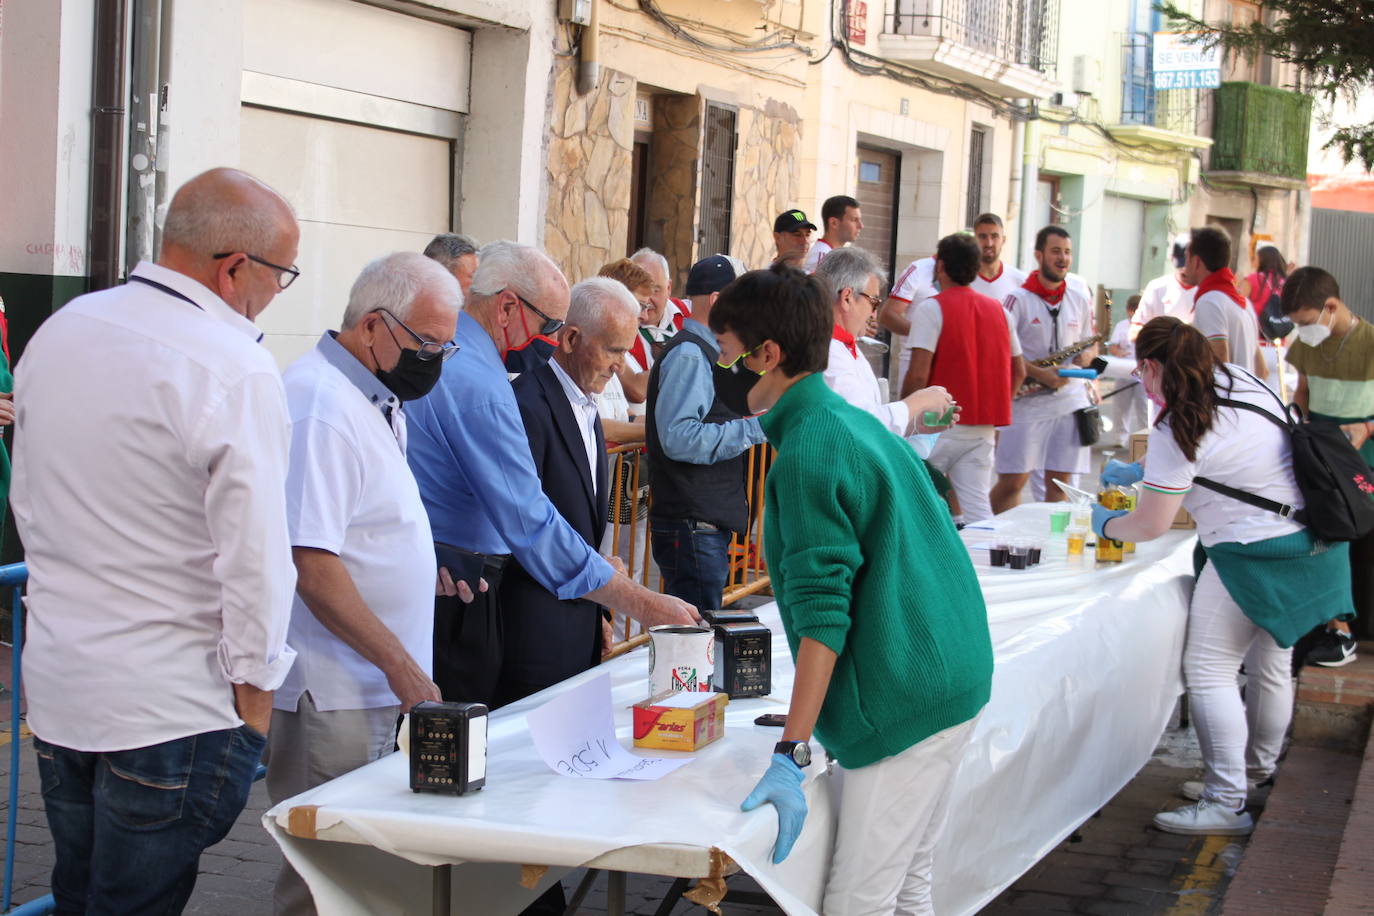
(964,455)
(1232,733)
(307,748)
(1050,444)
(891,816)
(1128,410)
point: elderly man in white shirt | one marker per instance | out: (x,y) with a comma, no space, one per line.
(150,467)
(363,618)
(853,277)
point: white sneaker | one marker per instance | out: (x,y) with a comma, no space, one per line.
(1206,818)
(1192,789)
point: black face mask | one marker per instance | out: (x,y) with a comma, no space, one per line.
(733,385)
(411,377)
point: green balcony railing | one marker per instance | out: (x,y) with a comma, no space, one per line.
(1260,129)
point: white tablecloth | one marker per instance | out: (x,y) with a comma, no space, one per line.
(1086,674)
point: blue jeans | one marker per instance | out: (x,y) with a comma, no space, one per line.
(694,558)
(128,827)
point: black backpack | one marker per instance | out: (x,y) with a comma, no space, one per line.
(1273,323)
(1337,486)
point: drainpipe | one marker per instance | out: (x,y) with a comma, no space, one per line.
(143,131)
(1018,146)
(589,67)
(161,192)
(1030,183)
(107,142)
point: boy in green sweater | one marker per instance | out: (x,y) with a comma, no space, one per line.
(881,606)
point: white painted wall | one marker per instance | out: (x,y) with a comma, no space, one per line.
(45,136)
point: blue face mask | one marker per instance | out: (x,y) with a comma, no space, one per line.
(530,355)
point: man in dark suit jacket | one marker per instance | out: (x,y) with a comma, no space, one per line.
(547,639)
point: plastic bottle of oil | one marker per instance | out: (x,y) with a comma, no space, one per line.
(1109,550)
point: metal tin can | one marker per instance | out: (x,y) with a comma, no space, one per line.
(680,658)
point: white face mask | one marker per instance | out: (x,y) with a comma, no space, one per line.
(1314,334)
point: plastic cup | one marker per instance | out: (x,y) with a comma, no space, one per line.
(1077,538)
(1081,517)
(1059,521)
(1036,548)
(997,554)
(1019,555)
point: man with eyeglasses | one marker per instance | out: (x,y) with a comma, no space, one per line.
(363,618)
(471,457)
(149,482)
(854,278)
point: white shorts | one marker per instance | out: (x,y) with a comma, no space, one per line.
(1051,445)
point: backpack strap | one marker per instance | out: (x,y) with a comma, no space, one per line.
(1259,502)
(1284,510)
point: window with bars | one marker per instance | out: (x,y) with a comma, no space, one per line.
(717,181)
(977,161)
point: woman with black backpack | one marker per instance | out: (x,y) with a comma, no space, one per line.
(1264,288)
(1266,578)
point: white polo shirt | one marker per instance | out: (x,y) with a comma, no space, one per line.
(1165,296)
(1008,280)
(1040,334)
(1242,450)
(819,249)
(349,491)
(1218,317)
(916,284)
(584,412)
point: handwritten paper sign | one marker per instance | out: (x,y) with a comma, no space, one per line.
(575,735)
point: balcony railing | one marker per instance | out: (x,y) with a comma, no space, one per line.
(1260,131)
(1173,110)
(1020,32)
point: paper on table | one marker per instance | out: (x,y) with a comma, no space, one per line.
(989,524)
(575,735)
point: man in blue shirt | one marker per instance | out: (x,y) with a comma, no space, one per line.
(696,443)
(471,458)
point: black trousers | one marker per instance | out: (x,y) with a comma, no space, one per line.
(467,642)
(1362,586)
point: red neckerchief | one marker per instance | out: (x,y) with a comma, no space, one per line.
(639,353)
(845,338)
(1051,296)
(1221,281)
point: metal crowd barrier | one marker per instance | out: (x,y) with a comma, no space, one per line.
(13,577)
(628,521)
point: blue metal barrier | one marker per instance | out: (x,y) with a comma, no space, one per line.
(14,576)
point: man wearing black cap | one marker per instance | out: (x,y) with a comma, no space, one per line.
(792,234)
(696,445)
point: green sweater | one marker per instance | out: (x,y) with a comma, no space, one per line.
(865,560)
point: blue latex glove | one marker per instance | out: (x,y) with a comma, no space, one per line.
(1121,474)
(1102,515)
(781,786)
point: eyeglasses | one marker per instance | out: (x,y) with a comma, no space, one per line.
(872,300)
(429,349)
(731,363)
(646,305)
(285,275)
(550,325)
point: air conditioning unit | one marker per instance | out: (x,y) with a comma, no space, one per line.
(1087,75)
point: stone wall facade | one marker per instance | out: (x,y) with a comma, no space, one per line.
(589,164)
(767,179)
(591,139)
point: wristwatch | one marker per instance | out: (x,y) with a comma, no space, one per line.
(799,752)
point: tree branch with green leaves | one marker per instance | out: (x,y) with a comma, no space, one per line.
(1330,41)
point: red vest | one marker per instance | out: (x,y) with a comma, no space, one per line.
(973,357)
